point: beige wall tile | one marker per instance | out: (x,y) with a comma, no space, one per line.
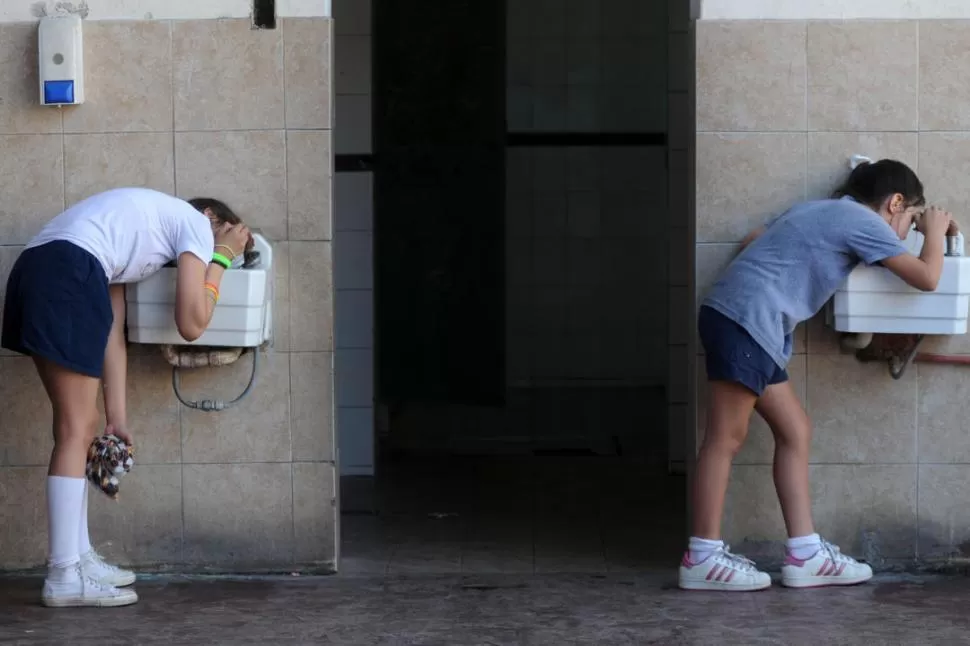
(153,411)
(309,181)
(942,418)
(257,429)
(309,55)
(752,516)
(281,297)
(238,515)
(98,162)
(128,78)
(822,339)
(8,256)
(868,510)
(228,76)
(863,75)
(710,260)
(247,170)
(144,526)
(24,541)
(314,513)
(32,183)
(829,153)
(860,413)
(759,448)
(311,297)
(312,401)
(750,76)
(951,344)
(944,506)
(20,111)
(25,415)
(943,57)
(944,161)
(742,179)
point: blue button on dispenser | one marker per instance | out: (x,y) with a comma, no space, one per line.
(59,92)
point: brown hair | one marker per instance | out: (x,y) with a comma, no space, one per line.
(220,210)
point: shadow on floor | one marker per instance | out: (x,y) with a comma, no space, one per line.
(515,515)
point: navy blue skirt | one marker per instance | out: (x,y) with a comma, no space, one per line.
(58,307)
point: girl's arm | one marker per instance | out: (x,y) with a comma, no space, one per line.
(924,272)
(194,302)
(751,237)
(114,379)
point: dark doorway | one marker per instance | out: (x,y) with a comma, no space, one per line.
(439,144)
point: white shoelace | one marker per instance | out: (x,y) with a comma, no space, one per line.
(94,584)
(98,560)
(835,553)
(736,561)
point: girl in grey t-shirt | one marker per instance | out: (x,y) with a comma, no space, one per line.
(785,273)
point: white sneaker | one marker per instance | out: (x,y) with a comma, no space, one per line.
(829,566)
(68,588)
(722,571)
(93,565)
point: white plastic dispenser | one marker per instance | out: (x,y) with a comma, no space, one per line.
(61,60)
(243,318)
(875,300)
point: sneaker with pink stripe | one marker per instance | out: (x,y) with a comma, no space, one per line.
(722,570)
(828,567)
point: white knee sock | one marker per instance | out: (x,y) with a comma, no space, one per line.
(64,499)
(804,547)
(700,549)
(83,538)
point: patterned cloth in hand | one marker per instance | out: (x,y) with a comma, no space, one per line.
(109,458)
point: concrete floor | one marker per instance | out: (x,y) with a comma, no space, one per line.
(501,552)
(494,610)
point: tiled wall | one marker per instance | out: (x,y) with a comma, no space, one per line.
(829,9)
(586,227)
(197,108)
(680,126)
(354,237)
(780,107)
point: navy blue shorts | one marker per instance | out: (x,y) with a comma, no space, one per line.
(732,355)
(58,307)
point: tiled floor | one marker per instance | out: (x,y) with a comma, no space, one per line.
(494,515)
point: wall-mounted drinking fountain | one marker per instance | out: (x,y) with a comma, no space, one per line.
(242,320)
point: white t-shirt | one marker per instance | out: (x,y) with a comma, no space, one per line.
(133,232)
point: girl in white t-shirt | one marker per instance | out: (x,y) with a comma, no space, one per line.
(65,308)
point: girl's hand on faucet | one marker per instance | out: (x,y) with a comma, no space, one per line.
(934,222)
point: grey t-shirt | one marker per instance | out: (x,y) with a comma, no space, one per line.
(787,274)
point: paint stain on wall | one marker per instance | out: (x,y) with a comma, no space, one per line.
(44,9)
